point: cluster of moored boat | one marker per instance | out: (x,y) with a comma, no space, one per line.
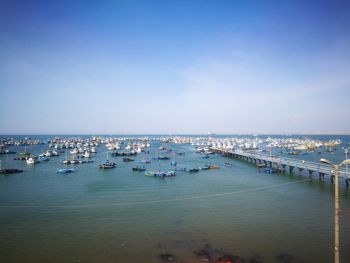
(81,150)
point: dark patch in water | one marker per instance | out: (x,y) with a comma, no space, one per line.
(205,252)
(287,258)
(160,245)
(229,259)
(184,242)
(167,257)
(256,258)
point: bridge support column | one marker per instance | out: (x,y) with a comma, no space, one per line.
(310,173)
(291,168)
(300,171)
(332,179)
(347,181)
(321,176)
(283,168)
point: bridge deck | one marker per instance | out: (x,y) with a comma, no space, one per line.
(295,163)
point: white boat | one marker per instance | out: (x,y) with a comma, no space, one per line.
(31,160)
(86,154)
(93,150)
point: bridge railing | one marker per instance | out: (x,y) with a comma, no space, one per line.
(307,165)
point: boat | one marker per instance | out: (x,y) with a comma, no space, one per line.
(108,164)
(31,160)
(163,157)
(24,154)
(173,163)
(9,170)
(6,151)
(180,168)
(148,173)
(128,159)
(145,161)
(170,173)
(214,167)
(269,170)
(192,170)
(138,169)
(86,154)
(43,159)
(65,171)
(205,167)
(160,174)
(228,164)
(93,150)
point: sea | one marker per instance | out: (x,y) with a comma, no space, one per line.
(233,214)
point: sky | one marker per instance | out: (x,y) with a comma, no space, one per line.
(174,67)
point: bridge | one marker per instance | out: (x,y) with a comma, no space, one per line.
(281,164)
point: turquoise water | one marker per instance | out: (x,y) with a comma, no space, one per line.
(123,216)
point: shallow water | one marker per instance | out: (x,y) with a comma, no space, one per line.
(123,216)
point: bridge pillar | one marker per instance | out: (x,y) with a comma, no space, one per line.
(270,164)
(291,168)
(283,168)
(332,178)
(321,176)
(347,180)
(300,170)
(310,173)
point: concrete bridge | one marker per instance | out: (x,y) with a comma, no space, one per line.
(281,164)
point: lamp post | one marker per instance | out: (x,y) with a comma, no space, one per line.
(336,168)
(346,151)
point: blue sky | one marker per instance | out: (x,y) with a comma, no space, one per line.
(174,67)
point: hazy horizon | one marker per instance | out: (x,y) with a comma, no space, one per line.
(181,67)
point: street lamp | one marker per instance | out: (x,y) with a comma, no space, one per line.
(346,151)
(336,168)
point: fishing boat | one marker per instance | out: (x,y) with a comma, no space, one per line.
(25,153)
(261,165)
(192,170)
(65,171)
(228,164)
(145,161)
(43,159)
(6,151)
(214,167)
(86,154)
(93,150)
(163,157)
(205,167)
(138,169)
(9,170)
(180,168)
(128,159)
(160,174)
(269,170)
(108,164)
(31,160)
